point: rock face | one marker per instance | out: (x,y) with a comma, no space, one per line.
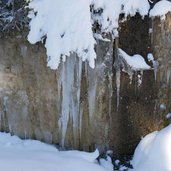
(83,108)
(161,45)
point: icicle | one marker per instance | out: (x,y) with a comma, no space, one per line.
(155,66)
(5,102)
(92,83)
(9,127)
(140,77)
(69,83)
(65,88)
(118,75)
(75,98)
(130,77)
(117,65)
(5,108)
(25,134)
(110,93)
(155,63)
(81,117)
(92,100)
(168,75)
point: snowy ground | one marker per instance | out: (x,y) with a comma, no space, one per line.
(152,154)
(30,155)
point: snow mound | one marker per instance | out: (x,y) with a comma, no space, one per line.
(136,62)
(161,9)
(154,152)
(31,155)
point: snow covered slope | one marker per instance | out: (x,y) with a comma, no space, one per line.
(31,155)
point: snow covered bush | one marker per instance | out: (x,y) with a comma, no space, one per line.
(66,26)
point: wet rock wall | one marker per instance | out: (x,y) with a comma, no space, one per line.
(77,107)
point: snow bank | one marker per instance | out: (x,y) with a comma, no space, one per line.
(161,9)
(136,62)
(31,155)
(67,25)
(154,152)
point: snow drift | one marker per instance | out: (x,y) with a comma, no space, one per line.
(31,155)
(154,152)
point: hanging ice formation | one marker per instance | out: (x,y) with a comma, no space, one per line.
(155,64)
(69,93)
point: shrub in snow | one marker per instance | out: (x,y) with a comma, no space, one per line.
(13,14)
(154,152)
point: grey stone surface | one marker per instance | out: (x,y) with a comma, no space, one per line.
(76,106)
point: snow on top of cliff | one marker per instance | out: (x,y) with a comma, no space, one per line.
(136,62)
(66,26)
(131,7)
(108,18)
(161,9)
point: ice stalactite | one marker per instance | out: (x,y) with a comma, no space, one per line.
(168,75)
(92,83)
(5,110)
(118,75)
(155,64)
(69,83)
(140,78)
(117,65)
(110,88)
(155,67)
